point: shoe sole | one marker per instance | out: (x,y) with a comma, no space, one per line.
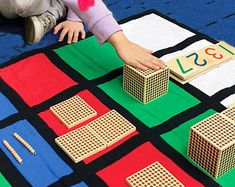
(33,30)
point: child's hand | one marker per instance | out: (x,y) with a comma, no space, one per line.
(133,54)
(73,29)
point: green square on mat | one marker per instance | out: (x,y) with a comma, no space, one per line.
(178,139)
(156,112)
(89,58)
(3,181)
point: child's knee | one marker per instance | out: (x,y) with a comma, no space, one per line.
(28,7)
(21,7)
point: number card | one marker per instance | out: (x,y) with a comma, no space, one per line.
(188,67)
(226,47)
(216,53)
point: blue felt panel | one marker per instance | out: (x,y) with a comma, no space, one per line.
(81,184)
(6,108)
(43,169)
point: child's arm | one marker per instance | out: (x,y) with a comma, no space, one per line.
(134,54)
(71,16)
(98,19)
(101,23)
(73,26)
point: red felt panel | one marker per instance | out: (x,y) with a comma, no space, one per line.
(60,129)
(36,79)
(115,174)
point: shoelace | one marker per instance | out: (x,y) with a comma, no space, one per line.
(46,20)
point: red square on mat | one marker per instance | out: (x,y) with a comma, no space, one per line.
(36,79)
(115,174)
(60,129)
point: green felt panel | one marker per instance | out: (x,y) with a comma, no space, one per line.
(89,58)
(156,112)
(178,139)
(3,181)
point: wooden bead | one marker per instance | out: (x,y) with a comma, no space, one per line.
(24,143)
(12,151)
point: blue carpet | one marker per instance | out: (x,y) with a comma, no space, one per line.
(212,17)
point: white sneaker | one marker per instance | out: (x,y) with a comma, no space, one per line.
(37,26)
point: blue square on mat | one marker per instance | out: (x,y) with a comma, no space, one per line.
(43,169)
(6,108)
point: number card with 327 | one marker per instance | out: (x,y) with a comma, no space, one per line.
(195,63)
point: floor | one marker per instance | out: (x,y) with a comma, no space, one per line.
(212,17)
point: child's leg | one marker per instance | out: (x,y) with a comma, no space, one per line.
(6,10)
(57,9)
(24,8)
(41,15)
(36,26)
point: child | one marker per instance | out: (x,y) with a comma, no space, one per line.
(41,16)
(101,23)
